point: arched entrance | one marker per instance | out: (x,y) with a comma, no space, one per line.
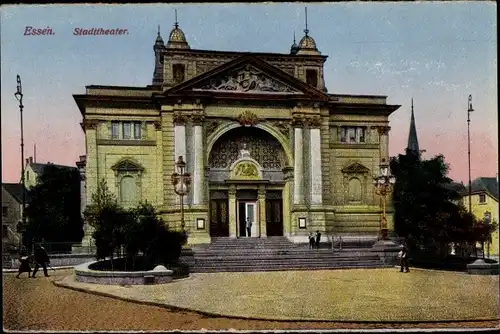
(245,177)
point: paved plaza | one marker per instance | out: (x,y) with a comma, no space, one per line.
(331,295)
(38,304)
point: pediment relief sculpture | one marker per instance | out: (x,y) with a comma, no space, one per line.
(247,80)
(355,168)
(127,165)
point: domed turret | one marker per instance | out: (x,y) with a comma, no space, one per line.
(295,47)
(177,39)
(307,45)
(159,44)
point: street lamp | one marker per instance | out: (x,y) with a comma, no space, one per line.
(383,187)
(181,181)
(19,97)
(469,110)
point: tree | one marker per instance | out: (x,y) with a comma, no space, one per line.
(425,210)
(53,213)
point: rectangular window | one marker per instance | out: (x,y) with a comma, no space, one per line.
(312,77)
(115,130)
(482,198)
(352,135)
(5,211)
(178,72)
(127,130)
(137,130)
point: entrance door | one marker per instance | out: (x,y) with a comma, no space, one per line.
(219,218)
(247,211)
(274,217)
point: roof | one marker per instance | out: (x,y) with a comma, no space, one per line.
(15,190)
(484,184)
(38,168)
(458,187)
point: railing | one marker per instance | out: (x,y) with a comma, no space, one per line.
(344,241)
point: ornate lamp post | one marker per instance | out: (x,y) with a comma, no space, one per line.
(181,181)
(469,110)
(19,97)
(383,187)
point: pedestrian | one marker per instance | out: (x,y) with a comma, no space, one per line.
(311,240)
(404,259)
(249,227)
(25,264)
(318,239)
(41,260)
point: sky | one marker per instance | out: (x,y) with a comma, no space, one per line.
(436,53)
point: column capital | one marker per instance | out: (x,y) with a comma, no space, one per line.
(89,124)
(313,121)
(383,130)
(232,190)
(179,119)
(288,173)
(297,121)
(157,125)
(197,118)
(261,193)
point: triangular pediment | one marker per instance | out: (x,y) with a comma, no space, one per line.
(248,75)
(127,165)
(355,168)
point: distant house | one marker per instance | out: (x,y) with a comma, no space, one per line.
(11,214)
(34,170)
(484,199)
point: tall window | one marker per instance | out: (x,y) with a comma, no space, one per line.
(312,77)
(128,191)
(482,198)
(127,130)
(5,211)
(178,72)
(115,130)
(137,130)
(352,134)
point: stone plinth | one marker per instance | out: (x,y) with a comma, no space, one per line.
(387,250)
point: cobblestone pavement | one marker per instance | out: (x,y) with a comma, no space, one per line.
(37,304)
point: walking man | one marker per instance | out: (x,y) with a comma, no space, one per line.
(311,240)
(41,260)
(249,227)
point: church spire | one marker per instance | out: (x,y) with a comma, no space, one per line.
(412,136)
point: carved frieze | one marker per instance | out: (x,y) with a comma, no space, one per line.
(246,169)
(247,79)
(247,118)
(282,126)
(297,121)
(179,119)
(210,126)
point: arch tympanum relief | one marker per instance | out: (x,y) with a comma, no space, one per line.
(266,152)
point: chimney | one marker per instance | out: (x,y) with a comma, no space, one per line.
(31,160)
(27,162)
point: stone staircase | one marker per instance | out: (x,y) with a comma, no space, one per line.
(275,253)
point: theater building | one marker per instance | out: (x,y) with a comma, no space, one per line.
(262,138)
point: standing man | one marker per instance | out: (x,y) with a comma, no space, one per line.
(404,259)
(249,227)
(318,238)
(41,260)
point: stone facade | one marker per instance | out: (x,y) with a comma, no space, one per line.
(261,138)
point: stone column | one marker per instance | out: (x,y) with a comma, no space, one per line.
(262,212)
(179,142)
(199,171)
(287,200)
(298,160)
(233,232)
(383,132)
(92,177)
(316,191)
